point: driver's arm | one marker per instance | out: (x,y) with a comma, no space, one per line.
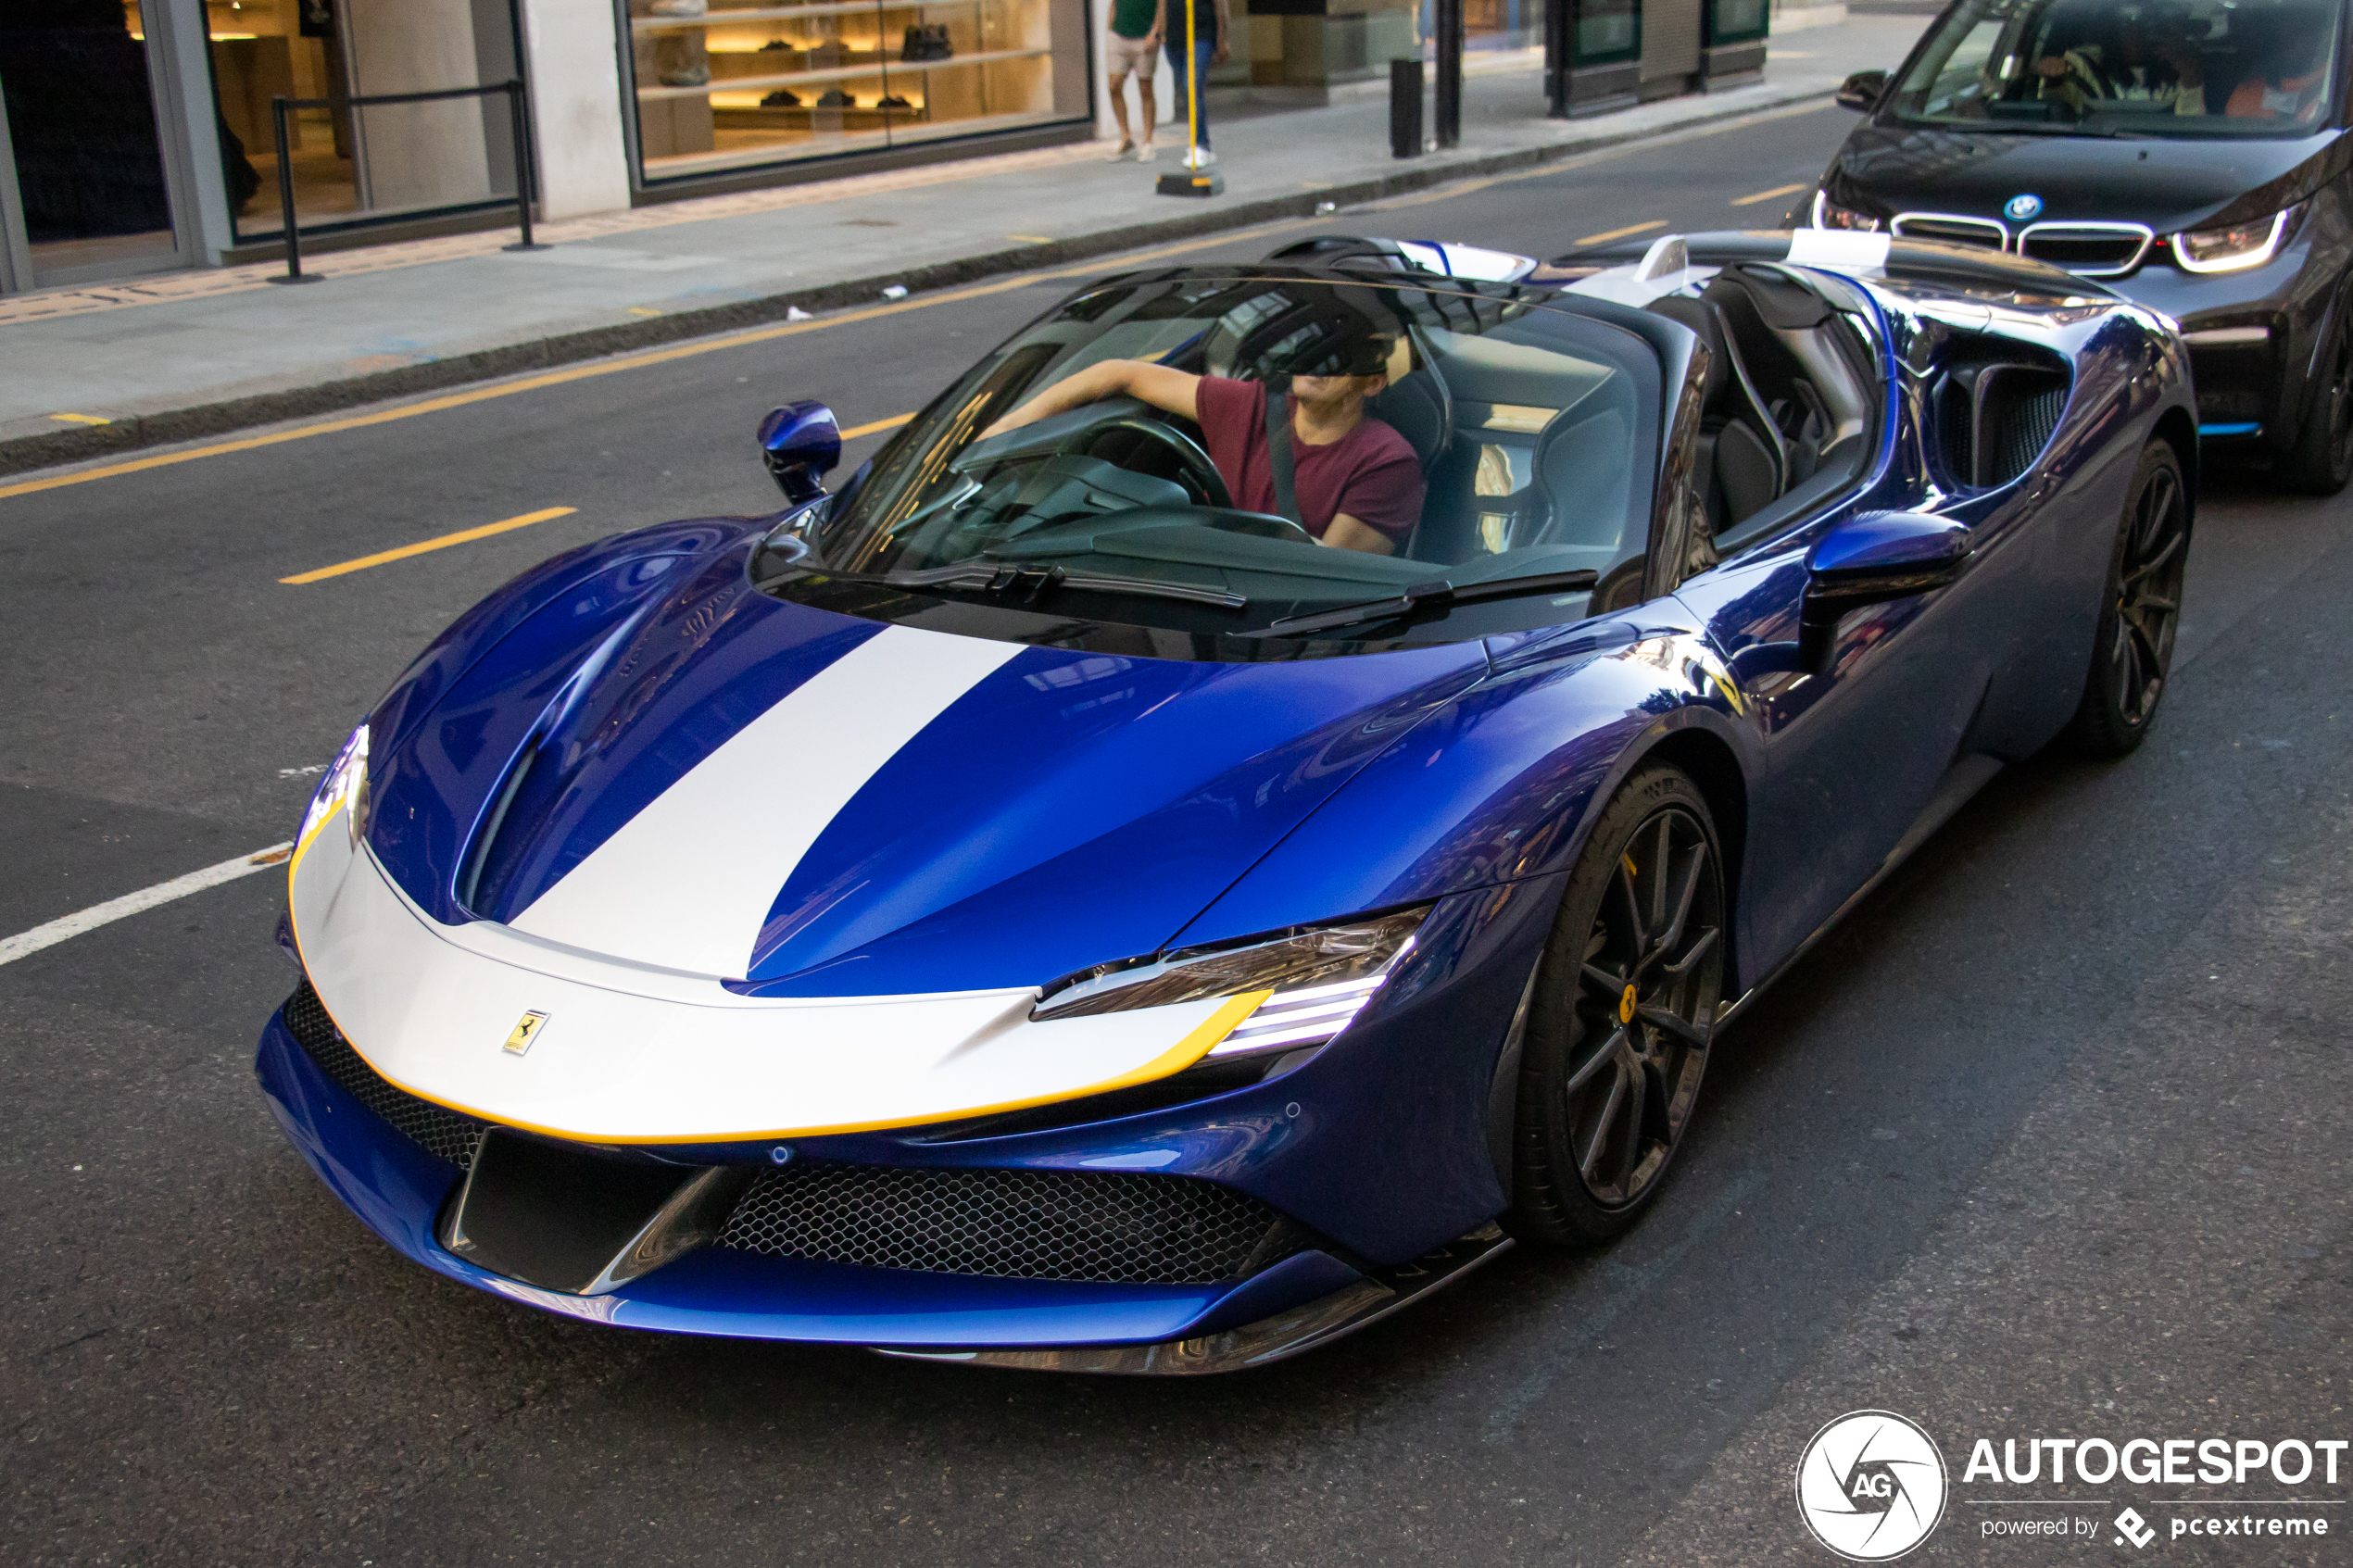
(1348,533)
(1172,391)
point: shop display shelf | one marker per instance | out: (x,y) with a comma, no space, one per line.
(834,73)
(785,13)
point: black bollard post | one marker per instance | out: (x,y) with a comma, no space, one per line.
(295,273)
(1447,17)
(1405,109)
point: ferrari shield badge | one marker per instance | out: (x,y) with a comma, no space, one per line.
(2020,207)
(525,1031)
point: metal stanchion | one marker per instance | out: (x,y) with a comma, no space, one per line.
(1447,18)
(279,107)
(513,90)
(1405,109)
(285,194)
(1192,182)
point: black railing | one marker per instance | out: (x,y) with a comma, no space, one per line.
(279,107)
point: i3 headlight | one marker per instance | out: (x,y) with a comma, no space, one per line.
(2235,247)
(346,785)
(1309,984)
(1829,215)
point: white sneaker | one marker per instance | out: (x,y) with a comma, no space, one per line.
(1127,151)
(1146,153)
(680,7)
(1199,158)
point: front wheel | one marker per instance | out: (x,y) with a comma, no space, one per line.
(1624,1010)
(2321,461)
(2139,611)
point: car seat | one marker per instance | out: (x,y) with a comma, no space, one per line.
(1742,463)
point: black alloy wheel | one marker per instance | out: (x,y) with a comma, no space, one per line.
(1625,1006)
(2322,461)
(2141,612)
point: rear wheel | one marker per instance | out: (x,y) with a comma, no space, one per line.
(1624,1010)
(2140,612)
(2322,461)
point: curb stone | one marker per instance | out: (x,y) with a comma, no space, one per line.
(50,448)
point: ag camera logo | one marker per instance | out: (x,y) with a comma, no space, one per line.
(1870,1486)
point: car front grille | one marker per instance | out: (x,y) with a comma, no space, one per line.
(443,1134)
(2095,250)
(1952,230)
(1097,1226)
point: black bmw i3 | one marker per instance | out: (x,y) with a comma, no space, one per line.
(2190,153)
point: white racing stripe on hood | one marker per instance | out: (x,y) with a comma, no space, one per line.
(1838,250)
(685,883)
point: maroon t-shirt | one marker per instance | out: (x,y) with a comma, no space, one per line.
(1370,473)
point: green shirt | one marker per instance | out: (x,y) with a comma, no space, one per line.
(1133,19)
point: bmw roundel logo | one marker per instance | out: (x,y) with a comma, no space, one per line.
(2020,207)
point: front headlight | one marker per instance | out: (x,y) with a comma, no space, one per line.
(1309,984)
(347,783)
(1829,215)
(2236,246)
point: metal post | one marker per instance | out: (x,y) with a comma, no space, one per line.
(1558,19)
(1448,20)
(286,196)
(513,89)
(1405,109)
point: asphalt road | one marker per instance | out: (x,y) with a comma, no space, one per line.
(2049,1140)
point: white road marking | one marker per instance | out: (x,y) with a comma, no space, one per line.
(29,942)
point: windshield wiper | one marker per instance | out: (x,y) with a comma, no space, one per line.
(1421,596)
(1027,585)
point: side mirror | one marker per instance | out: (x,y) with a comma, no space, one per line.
(802,443)
(1871,558)
(1861,90)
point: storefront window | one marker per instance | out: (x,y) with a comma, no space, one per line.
(1606,31)
(1735,21)
(386,162)
(88,163)
(720,89)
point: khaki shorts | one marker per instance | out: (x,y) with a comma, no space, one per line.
(1130,53)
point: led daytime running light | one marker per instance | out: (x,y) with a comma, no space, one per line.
(2246,249)
(346,784)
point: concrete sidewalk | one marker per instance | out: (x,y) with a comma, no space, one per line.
(195,354)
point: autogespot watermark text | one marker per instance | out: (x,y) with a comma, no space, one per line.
(1871,1486)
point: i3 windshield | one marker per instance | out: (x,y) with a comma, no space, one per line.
(2145,68)
(1516,458)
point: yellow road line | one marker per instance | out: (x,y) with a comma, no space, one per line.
(1033,239)
(641,310)
(854,431)
(626,362)
(461,537)
(82,419)
(1768,195)
(1621,233)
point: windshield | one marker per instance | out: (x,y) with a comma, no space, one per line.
(2142,67)
(1114,460)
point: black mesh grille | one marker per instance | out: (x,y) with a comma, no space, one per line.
(445,1135)
(2026,427)
(1017,1224)
(2091,250)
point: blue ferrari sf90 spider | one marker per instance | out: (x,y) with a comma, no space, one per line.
(1264,794)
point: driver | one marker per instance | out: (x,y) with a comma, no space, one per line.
(1357,481)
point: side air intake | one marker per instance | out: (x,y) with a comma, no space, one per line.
(1993,418)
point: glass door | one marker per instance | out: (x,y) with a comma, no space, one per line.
(92,193)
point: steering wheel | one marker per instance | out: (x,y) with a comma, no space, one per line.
(1201,475)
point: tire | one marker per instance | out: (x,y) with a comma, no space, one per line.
(2320,463)
(2139,611)
(1608,1080)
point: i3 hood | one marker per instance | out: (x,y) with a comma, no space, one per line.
(2170,183)
(710,780)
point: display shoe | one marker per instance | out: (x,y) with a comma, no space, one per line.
(781,98)
(686,76)
(679,8)
(836,98)
(773,44)
(892,101)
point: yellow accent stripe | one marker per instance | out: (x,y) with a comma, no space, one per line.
(1766,196)
(622,362)
(82,419)
(1588,240)
(462,536)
